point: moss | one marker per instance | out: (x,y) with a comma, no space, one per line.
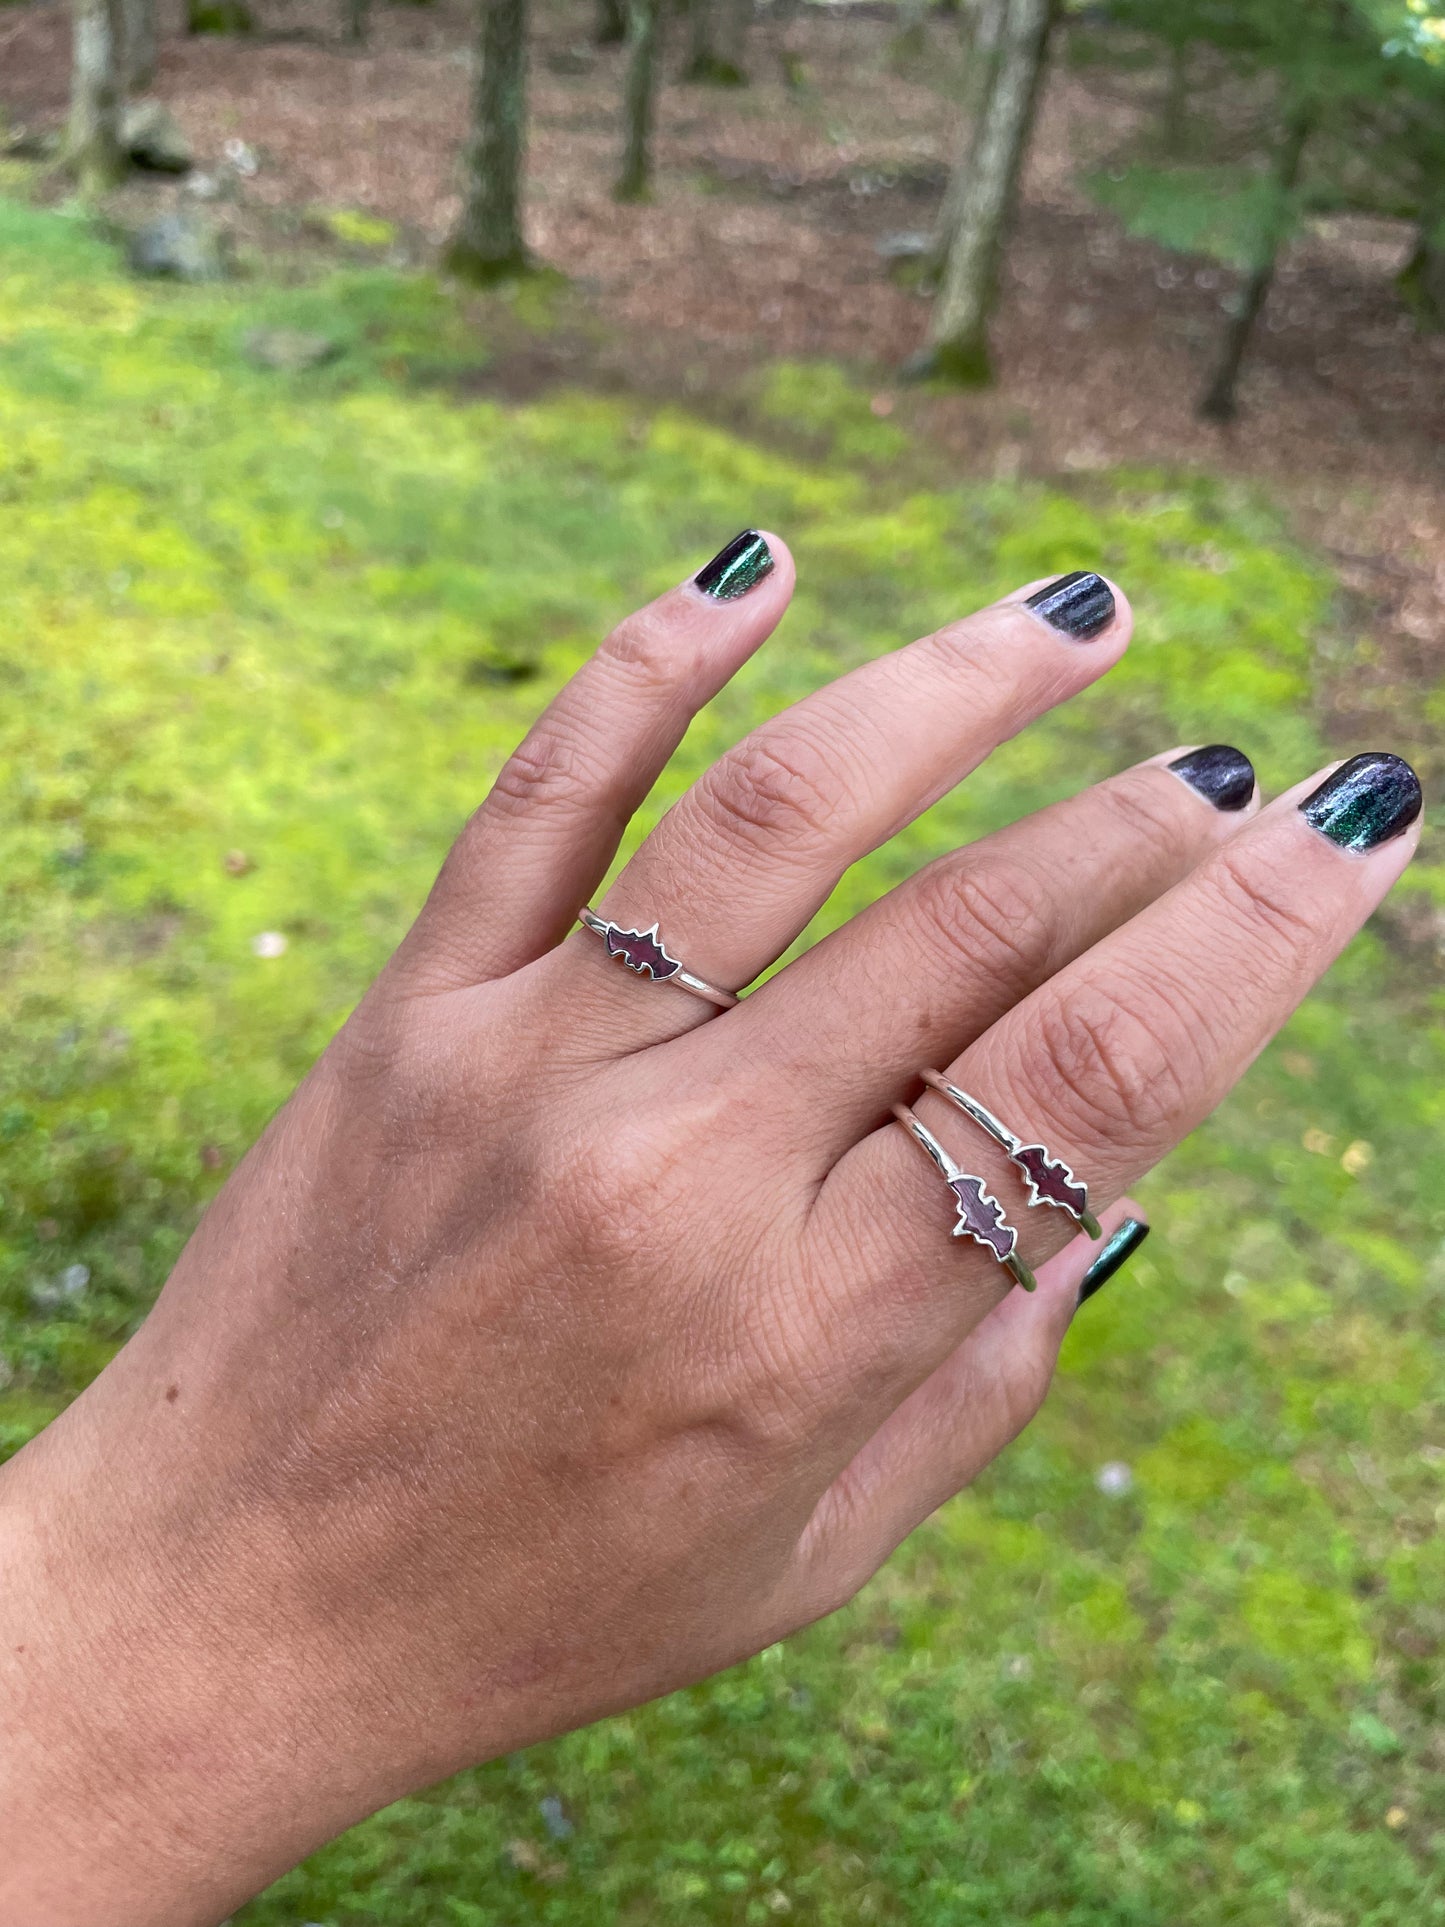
(267,638)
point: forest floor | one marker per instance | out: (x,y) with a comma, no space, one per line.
(761,241)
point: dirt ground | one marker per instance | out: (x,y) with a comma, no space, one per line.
(762,239)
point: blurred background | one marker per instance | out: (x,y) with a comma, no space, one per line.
(360,364)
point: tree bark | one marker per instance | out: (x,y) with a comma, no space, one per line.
(638,100)
(92,145)
(984,38)
(219,16)
(958,334)
(488,243)
(1219,402)
(718,42)
(611,27)
(1422,279)
(1174,115)
(138,63)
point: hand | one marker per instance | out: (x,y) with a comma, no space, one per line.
(566,1339)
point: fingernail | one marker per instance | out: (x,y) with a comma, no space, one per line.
(737,568)
(1366,802)
(1118,1251)
(1080,604)
(1222,776)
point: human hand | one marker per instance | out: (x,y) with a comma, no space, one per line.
(565,1339)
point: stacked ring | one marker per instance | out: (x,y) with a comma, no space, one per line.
(1050,1180)
(980,1215)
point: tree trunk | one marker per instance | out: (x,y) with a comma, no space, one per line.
(219,16)
(910,32)
(1422,279)
(355,20)
(638,97)
(984,38)
(718,42)
(488,244)
(611,28)
(958,334)
(1174,114)
(1219,402)
(138,64)
(92,144)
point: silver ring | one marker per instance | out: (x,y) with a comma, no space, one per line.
(1050,1180)
(645,952)
(980,1215)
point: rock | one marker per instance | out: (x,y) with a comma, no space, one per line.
(205,187)
(22,143)
(908,245)
(181,246)
(242,157)
(152,137)
(291,350)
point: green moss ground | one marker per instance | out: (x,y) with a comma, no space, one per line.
(296,620)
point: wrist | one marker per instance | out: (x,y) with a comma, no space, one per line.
(160,1761)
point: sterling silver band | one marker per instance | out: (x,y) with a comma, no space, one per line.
(980,1215)
(645,952)
(1049,1179)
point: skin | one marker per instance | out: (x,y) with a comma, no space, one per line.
(564,1340)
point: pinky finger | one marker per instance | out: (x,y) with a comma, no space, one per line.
(957,1421)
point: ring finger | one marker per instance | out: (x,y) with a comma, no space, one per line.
(1110,1063)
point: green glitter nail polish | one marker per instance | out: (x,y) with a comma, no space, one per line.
(1366,802)
(737,568)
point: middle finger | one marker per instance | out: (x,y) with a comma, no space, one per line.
(742,862)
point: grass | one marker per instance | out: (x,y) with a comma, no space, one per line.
(268,636)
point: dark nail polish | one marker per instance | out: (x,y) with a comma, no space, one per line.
(737,568)
(1080,604)
(1222,776)
(1118,1251)
(1366,802)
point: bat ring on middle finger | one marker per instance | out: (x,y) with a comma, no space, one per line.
(1050,1180)
(980,1215)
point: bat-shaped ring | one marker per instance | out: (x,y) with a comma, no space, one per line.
(980,1215)
(646,953)
(1050,1180)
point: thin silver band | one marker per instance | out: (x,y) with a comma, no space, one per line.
(1047,1177)
(644,952)
(980,1215)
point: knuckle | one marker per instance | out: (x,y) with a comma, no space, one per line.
(992,911)
(1260,896)
(545,770)
(773,792)
(1150,811)
(644,650)
(1118,1070)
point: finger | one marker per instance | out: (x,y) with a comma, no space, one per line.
(1111,1062)
(926,969)
(541,842)
(739,865)
(961,1417)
